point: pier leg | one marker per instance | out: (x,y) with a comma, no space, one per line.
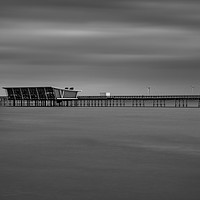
(176,103)
(124,103)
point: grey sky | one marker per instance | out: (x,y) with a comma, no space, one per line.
(108,45)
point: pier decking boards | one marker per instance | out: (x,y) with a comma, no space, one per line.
(168,101)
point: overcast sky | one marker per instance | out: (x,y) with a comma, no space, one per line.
(120,46)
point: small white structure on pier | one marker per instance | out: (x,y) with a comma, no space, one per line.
(105,94)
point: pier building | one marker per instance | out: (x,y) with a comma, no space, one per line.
(38,96)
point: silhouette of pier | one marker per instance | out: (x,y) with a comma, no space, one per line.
(168,101)
(68,97)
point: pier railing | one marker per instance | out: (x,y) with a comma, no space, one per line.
(154,97)
(180,101)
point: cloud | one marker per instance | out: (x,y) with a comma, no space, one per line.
(114,43)
(64,43)
(182,13)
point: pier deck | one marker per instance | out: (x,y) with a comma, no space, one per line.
(176,101)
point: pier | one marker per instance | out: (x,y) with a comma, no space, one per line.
(168,101)
(68,97)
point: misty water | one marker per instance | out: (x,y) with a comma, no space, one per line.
(99,154)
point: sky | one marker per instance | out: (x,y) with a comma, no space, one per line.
(117,46)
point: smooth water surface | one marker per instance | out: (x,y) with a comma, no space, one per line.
(99,154)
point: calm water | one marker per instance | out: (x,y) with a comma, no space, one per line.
(99,154)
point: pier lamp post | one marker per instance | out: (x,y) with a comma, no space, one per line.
(149,90)
(192,89)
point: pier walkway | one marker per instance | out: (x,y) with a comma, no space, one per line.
(176,101)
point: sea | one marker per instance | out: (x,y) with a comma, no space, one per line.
(103,153)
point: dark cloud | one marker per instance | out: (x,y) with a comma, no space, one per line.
(168,13)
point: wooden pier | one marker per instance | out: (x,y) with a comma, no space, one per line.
(167,101)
